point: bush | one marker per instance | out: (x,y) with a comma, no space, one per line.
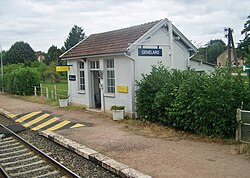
(200,103)
(149,86)
(50,74)
(7,69)
(22,80)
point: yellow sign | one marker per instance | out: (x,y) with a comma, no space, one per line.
(122,89)
(62,68)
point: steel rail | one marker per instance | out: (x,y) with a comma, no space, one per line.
(53,161)
(4,173)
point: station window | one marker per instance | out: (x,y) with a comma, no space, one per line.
(94,65)
(110,76)
(81,76)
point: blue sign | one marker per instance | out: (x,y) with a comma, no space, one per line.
(149,52)
(72,77)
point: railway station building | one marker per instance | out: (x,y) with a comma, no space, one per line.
(104,67)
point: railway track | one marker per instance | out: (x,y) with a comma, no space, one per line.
(18,158)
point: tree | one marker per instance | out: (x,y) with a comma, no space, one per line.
(53,55)
(50,73)
(75,35)
(40,67)
(19,53)
(243,49)
(211,51)
(215,48)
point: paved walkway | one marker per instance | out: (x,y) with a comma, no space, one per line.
(153,156)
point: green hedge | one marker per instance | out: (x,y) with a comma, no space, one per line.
(187,100)
(21,81)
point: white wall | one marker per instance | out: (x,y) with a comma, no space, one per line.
(143,64)
(76,96)
(199,66)
(123,77)
(160,38)
(180,55)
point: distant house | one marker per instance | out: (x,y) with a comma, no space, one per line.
(40,56)
(105,66)
(223,57)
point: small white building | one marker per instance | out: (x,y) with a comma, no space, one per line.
(105,66)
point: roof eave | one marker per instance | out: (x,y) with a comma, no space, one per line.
(164,21)
(184,39)
(94,55)
(61,56)
(207,63)
(144,36)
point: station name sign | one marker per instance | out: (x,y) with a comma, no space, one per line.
(149,52)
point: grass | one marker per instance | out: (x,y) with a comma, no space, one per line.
(153,130)
(62,92)
(61,88)
(149,129)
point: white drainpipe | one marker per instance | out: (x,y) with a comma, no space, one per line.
(133,92)
(188,60)
(170,32)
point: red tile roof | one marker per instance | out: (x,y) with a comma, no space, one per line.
(109,42)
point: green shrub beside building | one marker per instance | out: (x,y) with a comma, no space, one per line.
(201,103)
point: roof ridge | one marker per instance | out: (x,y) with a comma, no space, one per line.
(126,28)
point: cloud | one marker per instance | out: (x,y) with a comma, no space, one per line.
(48,22)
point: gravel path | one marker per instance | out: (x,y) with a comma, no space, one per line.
(74,162)
(154,156)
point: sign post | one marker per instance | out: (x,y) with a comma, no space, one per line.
(245,68)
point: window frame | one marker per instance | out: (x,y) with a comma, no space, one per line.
(81,68)
(94,65)
(110,76)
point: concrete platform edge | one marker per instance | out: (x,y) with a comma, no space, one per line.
(110,164)
(7,114)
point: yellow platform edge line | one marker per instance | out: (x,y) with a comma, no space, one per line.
(27,116)
(38,119)
(77,125)
(45,123)
(12,115)
(58,126)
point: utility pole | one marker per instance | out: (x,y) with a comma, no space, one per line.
(230,45)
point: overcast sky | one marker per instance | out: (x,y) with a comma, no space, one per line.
(43,23)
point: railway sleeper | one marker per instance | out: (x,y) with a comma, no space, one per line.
(13,163)
(11,168)
(10,145)
(11,149)
(49,174)
(14,153)
(34,172)
(15,157)
(3,142)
